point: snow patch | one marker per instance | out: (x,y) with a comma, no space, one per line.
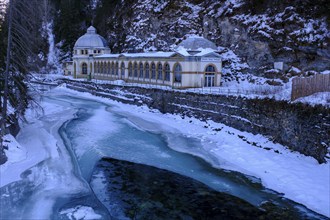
(81,213)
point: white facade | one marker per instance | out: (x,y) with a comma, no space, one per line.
(194,63)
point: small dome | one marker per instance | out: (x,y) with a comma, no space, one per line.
(91,30)
(91,40)
(196,43)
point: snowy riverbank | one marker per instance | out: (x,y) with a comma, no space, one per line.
(39,159)
(298,177)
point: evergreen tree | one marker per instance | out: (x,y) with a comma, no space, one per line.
(22,24)
(71,20)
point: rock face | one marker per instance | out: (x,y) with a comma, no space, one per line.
(300,127)
(258,32)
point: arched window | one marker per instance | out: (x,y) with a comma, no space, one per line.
(135,69)
(112,68)
(178,73)
(153,71)
(122,69)
(117,69)
(101,67)
(209,76)
(160,71)
(84,68)
(108,68)
(167,72)
(210,69)
(130,69)
(96,67)
(141,71)
(147,71)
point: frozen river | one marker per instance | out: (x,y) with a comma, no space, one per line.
(74,133)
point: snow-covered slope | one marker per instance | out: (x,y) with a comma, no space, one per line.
(257,33)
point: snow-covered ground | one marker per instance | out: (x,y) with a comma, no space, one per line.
(244,89)
(320,98)
(249,86)
(39,150)
(299,177)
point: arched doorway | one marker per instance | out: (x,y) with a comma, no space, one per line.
(177,73)
(167,72)
(209,76)
(84,68)
(122,70)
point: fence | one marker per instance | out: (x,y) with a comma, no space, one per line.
(258,90)
(307,86)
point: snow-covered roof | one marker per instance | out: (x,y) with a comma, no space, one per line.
(91,40)
(109,55)
(160,54)
(200,53)
(196,43)
(149,54)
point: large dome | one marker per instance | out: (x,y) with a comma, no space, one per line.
(91,40)
(196,43)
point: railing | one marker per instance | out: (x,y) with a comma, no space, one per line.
(307,86)
(262,90)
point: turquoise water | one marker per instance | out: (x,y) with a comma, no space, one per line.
(98,131)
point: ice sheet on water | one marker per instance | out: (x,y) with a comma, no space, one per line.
(101,123)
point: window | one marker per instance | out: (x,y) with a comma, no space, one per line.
(117,69)
(109,68)
(101,68)
(209,76)
(141,70)
(167,72)
(86,51)
(160,71)
(130,69)
(122,69)
(153,71)
(147,71)
(112,68)
(135,69)
(210,69)
(84,68)
(178,73)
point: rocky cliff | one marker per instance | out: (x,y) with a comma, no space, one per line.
(251,34)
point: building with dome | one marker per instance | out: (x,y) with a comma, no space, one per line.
(194,63)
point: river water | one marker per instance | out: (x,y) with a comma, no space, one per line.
(62,186)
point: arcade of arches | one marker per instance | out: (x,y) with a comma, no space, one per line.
(145,71)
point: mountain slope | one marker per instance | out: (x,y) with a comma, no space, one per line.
(252,34)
